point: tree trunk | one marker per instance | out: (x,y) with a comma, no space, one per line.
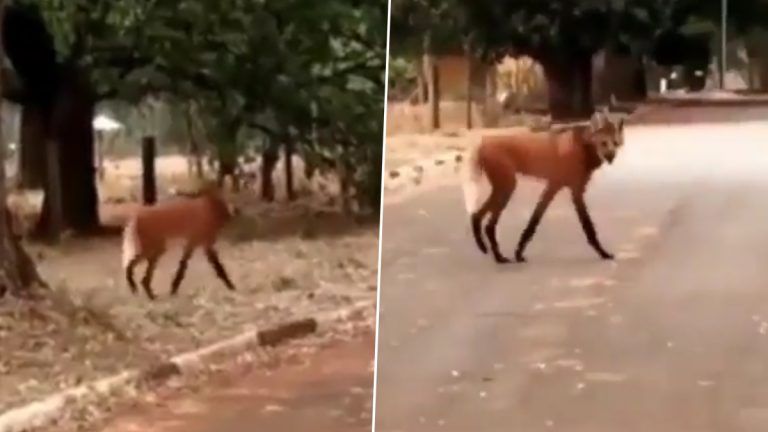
(640,82)
(422,90)
(433,91)
(32,148)
(620,75)
(72,129)
(344,171)
(490,102)
(194,145)
(53,192)
(569,85)
(290,191)
(148,178)
(228,168)
(17,271)
(99,144)
(762,74)
(470,77)
(269,160)
(433,83)
(228,161)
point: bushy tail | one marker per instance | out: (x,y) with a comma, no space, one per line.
(473,180)
(130,242)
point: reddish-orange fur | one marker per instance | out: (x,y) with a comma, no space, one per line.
(197,221)
(564,159)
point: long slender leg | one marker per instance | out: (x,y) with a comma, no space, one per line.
(146,281)
(129,274)
(188,250)
(213,258)
(541,207)
(587,225)
(499,200)
(476,221)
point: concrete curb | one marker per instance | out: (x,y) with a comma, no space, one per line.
(45,411)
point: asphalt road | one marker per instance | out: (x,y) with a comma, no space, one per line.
(673,336)
(330,391)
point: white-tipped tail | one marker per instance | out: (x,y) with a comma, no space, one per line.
(473,181)
(130,242)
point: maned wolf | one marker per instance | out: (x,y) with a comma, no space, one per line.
(195,220)
(564,159)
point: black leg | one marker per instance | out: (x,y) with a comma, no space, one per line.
(213,258)
(181,270)
(490,231)
(146,281)
(499,202)
(129,274)
(477,220)
(588,226)
(541,207)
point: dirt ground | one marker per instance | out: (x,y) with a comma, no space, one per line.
(287,260)
(312,384)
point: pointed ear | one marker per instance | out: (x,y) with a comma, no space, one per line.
(597,121)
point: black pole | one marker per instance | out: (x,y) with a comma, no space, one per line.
(290,190)
(149,186)
(723,42)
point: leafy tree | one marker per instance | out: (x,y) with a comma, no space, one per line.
(240,60)
(564,35)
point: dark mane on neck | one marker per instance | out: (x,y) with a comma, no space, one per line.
(581,135)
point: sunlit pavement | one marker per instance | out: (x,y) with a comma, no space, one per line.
(330,393)
(673,336)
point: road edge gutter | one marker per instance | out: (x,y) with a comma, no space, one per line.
(45,411)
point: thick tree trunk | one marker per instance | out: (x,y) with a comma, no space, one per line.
(619,75)
(32,148)
(570,87)
(269,160)
(73,132)
(640,82)
(17,271)
(10,278)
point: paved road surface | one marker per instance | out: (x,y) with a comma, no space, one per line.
(331,393)
(673,336)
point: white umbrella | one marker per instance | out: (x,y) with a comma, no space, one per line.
(104,123)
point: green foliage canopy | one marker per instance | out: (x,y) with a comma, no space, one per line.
(283,68)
